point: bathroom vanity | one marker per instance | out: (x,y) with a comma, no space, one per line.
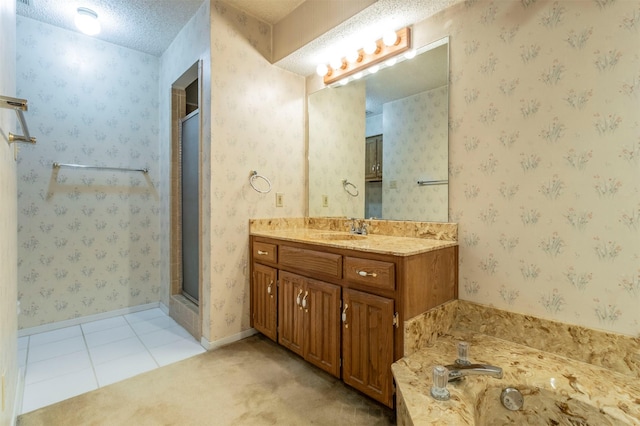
(339,300)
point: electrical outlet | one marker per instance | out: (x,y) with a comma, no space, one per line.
(325,201)
(279,199)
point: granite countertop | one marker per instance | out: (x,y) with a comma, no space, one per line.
(555,388)
(374,243)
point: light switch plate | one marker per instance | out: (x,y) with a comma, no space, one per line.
(279,199)
(325,201)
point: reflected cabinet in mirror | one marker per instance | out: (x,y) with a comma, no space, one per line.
(386,135)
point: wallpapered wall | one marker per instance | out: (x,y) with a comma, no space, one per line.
(257,123)
(88,240)
(415,147)
(8,218)
(337,150)
(190,45)
(545,156)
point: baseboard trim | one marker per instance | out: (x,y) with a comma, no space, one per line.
(217,344)
(17,405)
(89,318)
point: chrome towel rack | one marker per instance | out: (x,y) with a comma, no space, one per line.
(432,182)
(18,105)
(255,176)
(350,188)
(82,166)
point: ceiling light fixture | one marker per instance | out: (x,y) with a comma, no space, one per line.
(87,21)
(373,53)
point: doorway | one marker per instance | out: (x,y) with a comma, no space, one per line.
(185,300)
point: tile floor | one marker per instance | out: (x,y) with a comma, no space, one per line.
(70,361)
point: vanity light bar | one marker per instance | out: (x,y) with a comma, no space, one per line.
(365,60)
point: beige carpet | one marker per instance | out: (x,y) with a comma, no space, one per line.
(251,382)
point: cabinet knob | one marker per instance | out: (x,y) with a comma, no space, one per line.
(269,288)
(299,299)
(366,274)
(304,300)
(263,253)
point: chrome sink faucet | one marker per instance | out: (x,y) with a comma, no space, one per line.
(358,226)
(455,372)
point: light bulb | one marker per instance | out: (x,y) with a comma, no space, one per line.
(410,54)
(370,48)
(87,21)
(391,62)
(336,63)
(353,56)
(357,76)
(390,38)
(374,69)
(344,81)
(322,70)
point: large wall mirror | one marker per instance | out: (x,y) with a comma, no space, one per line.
(378,146)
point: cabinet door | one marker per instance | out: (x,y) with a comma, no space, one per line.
(322,326)
(367,344)
(291,294)
(264,299)
(371,158)
(379,157)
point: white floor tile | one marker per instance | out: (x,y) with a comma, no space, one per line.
(58,366)
(144,315)
(153,324)
(105,324)
(176,351)
(55,349)
(54,335)
(115,350)
(67,362)
(165,336)
(125,367)
(57,389)
(109,335)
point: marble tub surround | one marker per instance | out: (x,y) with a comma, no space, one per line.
(422,330)
(614,394)
(617,352)
(427,230)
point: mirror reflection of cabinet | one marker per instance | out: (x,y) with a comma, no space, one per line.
(373,159)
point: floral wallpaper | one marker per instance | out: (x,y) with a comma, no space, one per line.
(336,145)
(415,148)
(545,156)
(88,240)
(8,217)
(257,123)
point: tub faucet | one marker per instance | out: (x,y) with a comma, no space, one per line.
(457,371)
(462,367)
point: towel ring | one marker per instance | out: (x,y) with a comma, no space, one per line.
(254,175)
(354,189)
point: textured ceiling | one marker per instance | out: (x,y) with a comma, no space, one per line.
(370,23)
(150,25)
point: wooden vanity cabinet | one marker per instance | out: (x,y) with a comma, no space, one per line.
(308,320)
(342,309)
(264,290)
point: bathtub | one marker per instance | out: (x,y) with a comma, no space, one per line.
(556,389)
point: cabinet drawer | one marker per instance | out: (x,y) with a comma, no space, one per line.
(372,273)
(265,251)
(311,261)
